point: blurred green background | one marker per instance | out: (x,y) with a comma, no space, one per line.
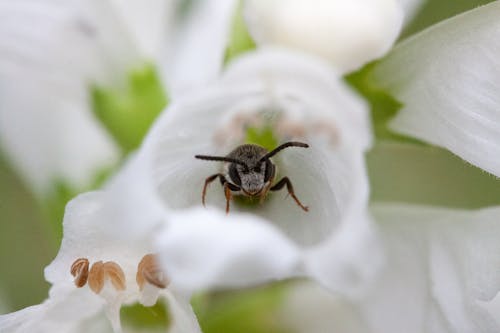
(398,172)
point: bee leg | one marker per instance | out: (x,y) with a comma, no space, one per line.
(208,181)
(285,181)
(227,193)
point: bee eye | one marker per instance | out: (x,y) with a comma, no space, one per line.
(269,171)
(234,175)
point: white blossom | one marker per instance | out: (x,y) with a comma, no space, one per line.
(94,274)
(299,98)
(53,52)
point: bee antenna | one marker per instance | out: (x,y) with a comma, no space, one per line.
(221,159)
(281,147)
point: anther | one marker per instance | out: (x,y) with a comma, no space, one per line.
(80,270)
(100,271)
(96,277)
(149,271)
(115,274)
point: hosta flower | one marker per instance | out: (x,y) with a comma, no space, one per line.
(94,276)
(346,33)
(441,275)
(447,78)
(268,98)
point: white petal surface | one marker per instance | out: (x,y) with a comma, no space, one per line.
(48,51)
(346,33)
(442,266)
(309,308)
(197,54)
(51,52)
(130,205)
(183,318)
(148,23)
(71,313)
(203,249)
(351,258)
(85,236)
(448,79)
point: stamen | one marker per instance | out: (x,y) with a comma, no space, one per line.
(115,273)
(96,277)
(100,271)
(149,271)
(80,270)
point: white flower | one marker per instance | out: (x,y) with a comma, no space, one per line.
(447,77)
(93,275)
(295,97)
(52,56)
(442,274)
(346,33)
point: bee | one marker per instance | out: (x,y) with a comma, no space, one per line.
(249,171)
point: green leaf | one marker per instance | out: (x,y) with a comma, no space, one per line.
(127,114)
(240,40)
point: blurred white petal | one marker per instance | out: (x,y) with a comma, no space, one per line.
(448,79)
(197,54)
(130,203)
(346,33)
(71,312)
(51,53)
(149,23)
(441,274)
(442,266)
(309,308)
(205,250)
(350,260)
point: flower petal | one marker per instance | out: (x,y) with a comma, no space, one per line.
(346,33)
(70,313)
(86,236)
(45,93)
(448,78)
(183,317)
(202,249)
(348,261)
(442,264)
(309,308)
(148,25)
(205,32)
(130,204)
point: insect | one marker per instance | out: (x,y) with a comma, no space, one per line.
(249,171)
